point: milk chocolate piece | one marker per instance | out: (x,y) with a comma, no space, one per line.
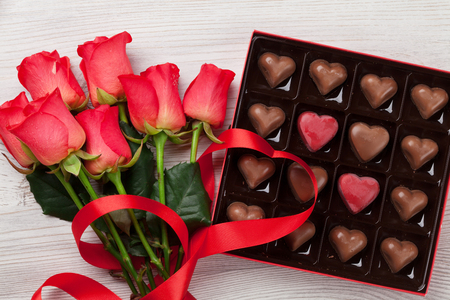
(418,151)
(301,184)
(408,202)
(378,90)
(266,119)
(367,141)
(398,254)
(301,235)
(255,170)
(347,243)
(239,211)
(276,68)
(428,100)
(327,76)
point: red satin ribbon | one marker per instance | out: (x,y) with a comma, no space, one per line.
(206,241)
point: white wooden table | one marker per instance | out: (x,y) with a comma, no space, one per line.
(188,33)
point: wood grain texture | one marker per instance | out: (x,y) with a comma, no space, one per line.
(188,33)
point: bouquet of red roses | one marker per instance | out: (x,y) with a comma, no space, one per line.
(74,153)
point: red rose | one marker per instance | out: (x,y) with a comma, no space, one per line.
(103,136)
(103,60)
(43,72)
(206,97)
(11,114)
(49,129)
(153,98)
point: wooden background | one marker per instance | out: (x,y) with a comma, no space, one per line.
(188,33)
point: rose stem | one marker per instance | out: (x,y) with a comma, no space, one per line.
(160,140)
(106,243)
(122,112)
(126,258)
(128,280)
(198,127)
(116,179)
(150,274)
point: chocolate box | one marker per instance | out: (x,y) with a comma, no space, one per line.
(347,104)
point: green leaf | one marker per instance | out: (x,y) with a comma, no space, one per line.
(52,196)
(122,219)
(186,195)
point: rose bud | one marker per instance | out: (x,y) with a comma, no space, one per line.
(103,60)
(49,129)
(104,137)
(153,99)
(11,114)
(43,72)
(206,97)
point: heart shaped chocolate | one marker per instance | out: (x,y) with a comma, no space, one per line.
(301,184)
(255,170)
(398,254)
(327,76)
(367,141)
(347,243)
(418,151)
(357,192)
(300,235)
(408,202)
(266,119)
(276,68)
(378,90)
(316,131)
(239,211)
(428,100)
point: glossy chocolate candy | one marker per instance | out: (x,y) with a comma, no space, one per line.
(367,141)
(300,236)
(418,151)
(428,100)
(378,90)
(397,253)
(408,202)
(276,68)
(327,76)
(347,243)
(266,119)
(300,183)
(239,211)
(255,170)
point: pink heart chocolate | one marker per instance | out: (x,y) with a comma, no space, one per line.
(357,192)
(316,131)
